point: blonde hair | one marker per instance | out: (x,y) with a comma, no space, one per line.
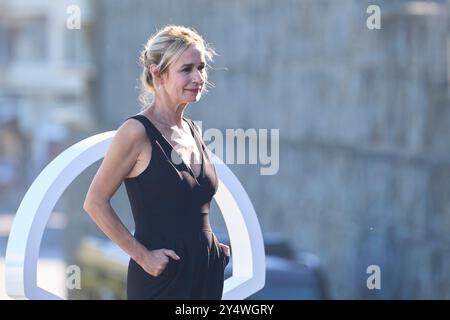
(164,48)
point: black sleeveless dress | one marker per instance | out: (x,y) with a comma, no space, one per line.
(171,210)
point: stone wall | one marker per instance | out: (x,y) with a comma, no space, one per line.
(363,117)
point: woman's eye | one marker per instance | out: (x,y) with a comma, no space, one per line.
(188,69)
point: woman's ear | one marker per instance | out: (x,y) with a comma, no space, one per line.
(158,78)
(154,70)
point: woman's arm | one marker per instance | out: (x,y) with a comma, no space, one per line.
(118,162)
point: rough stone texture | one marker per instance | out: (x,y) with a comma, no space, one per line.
(363,115)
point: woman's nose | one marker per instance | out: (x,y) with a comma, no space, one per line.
(198,77)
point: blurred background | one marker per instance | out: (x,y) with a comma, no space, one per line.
(364,120)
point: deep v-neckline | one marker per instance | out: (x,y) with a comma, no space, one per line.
(183,163)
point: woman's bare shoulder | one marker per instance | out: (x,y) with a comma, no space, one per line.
(131,131)
(129,140)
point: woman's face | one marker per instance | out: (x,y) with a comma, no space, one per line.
(185,79)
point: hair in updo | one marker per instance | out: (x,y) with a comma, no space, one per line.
(164,48)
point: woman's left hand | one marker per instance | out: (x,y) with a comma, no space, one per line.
(226,249)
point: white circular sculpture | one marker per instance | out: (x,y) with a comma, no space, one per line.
(24,241)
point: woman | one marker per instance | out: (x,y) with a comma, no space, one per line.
(169,178)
